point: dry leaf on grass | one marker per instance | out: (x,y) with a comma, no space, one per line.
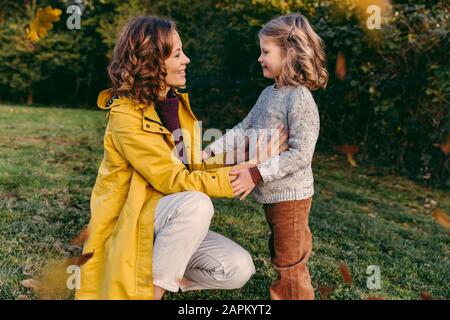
(31,284)
(374,298)
(441,217)
(81,238)
(325,292)
(349,151)
(345,272)
(426,296)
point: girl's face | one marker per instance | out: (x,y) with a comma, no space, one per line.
(271,58)
(176,64)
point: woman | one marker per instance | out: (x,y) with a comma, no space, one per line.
(150,209)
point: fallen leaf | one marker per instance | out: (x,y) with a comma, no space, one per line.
(79,261)
(441,217)
(351,160)
(445,146)
(349,151)
(374,298)
(81,238)
(426,296)
(31,284)
(346,275)
(325,292)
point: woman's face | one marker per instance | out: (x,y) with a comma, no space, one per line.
(271,58)
(176,64)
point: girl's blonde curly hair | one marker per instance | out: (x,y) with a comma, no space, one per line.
(304,50)
(137,69)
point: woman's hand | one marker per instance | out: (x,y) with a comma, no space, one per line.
(242,183)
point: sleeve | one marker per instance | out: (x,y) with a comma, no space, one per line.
(303,126)
(148,154)
(218,161)
(232,137)
(235,136)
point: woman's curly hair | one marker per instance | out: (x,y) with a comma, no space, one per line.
(305,56)
(137,69)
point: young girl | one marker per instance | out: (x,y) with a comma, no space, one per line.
(292,54)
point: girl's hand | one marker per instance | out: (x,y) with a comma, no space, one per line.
(268,148)
(243,183)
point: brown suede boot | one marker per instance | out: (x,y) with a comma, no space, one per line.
(290,247)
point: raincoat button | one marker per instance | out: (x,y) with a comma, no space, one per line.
(213,177)
(161,129)
(147,126)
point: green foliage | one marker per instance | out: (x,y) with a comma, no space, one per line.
(66,67)
(393,102)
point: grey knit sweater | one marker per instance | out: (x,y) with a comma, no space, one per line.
(288,176)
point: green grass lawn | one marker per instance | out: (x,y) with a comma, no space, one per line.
(48,164)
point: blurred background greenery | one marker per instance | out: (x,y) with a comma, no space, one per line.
(388,92)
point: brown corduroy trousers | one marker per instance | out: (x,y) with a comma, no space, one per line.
(290,247)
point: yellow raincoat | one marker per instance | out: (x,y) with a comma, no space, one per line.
(137,169)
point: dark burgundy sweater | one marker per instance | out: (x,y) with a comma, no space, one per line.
(167,110)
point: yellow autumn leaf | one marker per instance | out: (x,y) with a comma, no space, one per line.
(441,217)
(351,160)
(42,23)
(349,151)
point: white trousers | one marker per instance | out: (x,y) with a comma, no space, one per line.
(187,255)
